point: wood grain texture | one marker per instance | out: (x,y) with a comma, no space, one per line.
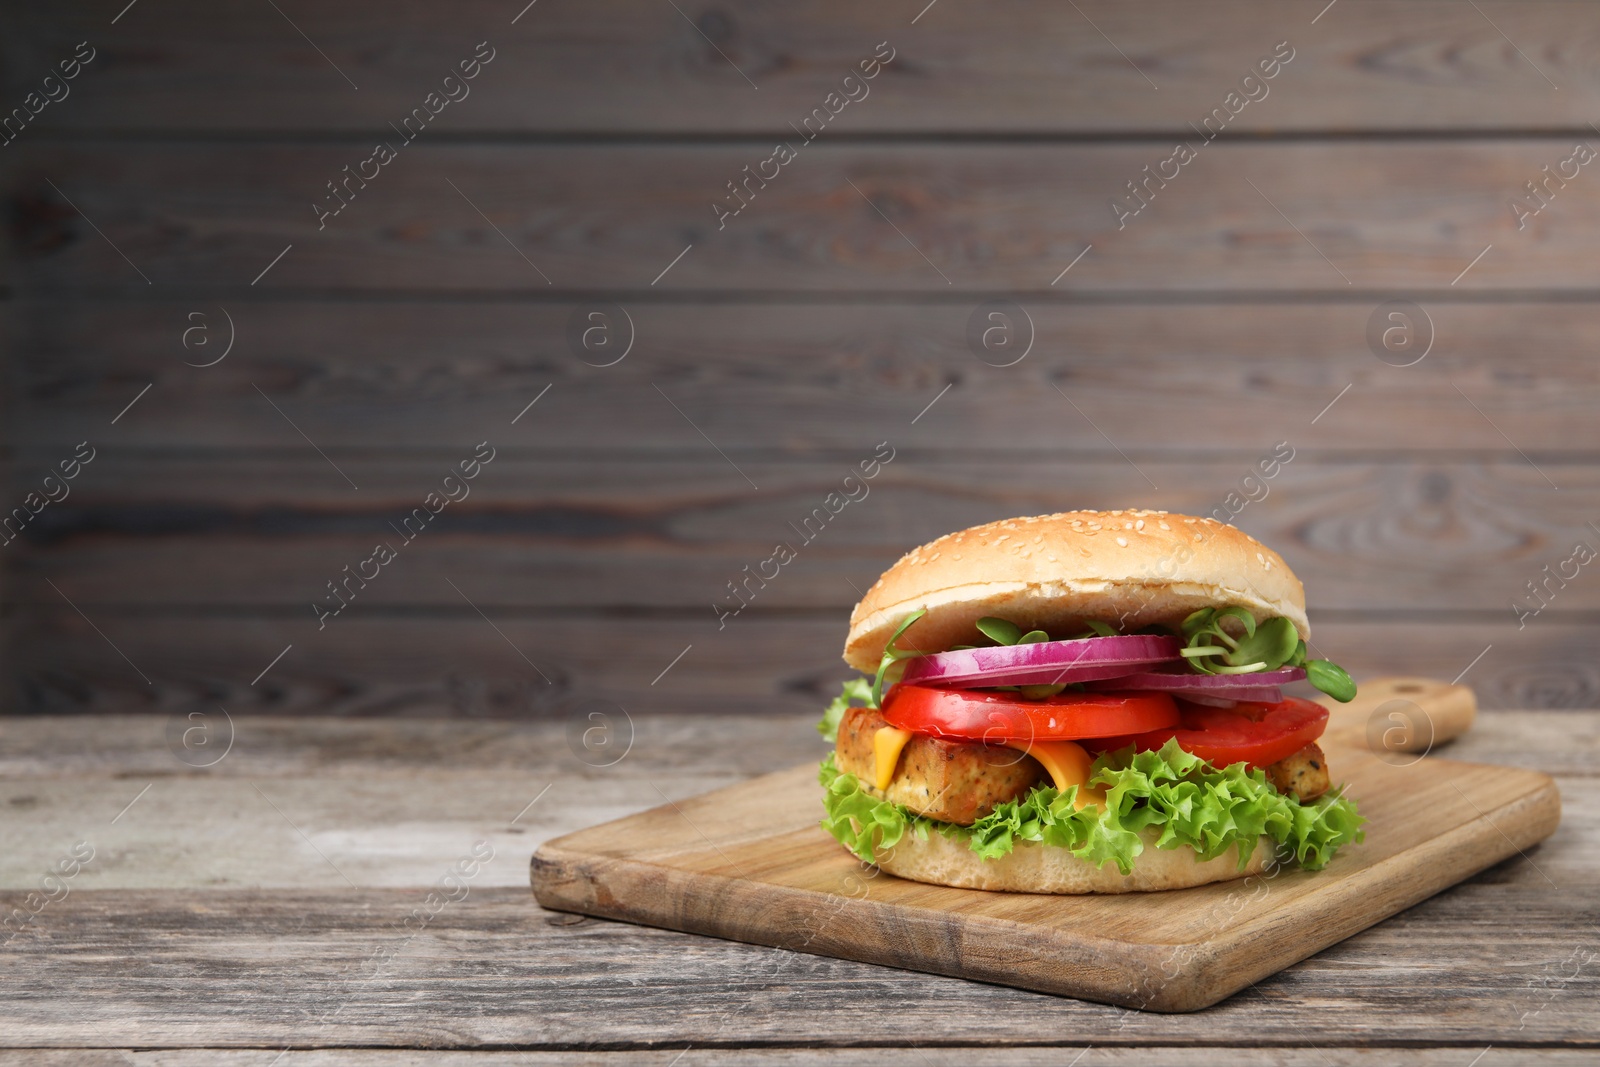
(1202,378)
(635,67)
(194,965)
(133,746)
(343,806)
(353,788)
(272,969)
(916,1055)
(1372,217)
(669,532)
(409,328)
(432,663)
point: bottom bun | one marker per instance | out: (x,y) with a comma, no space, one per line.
(1036,868)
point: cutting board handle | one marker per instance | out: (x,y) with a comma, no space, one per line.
(1402,715)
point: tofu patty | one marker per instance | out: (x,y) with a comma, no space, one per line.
(1303,775)
(952,781)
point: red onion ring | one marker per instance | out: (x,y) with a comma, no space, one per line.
(1044,662)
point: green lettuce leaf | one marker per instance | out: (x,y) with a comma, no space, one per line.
(1180,797)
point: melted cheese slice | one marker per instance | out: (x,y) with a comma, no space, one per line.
(887,744)
(1067,763)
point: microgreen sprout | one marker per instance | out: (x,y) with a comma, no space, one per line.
(1263,646)
(1331,679)
(999,631)
(1002,632)
(892,655)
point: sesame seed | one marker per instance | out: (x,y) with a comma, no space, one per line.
(1164,526)
(1123,541)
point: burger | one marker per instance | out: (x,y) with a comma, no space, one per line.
(1086,702)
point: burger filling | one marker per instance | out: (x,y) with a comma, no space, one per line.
(1090,748)
(951,781)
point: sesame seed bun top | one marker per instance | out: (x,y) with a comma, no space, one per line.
(1052,572)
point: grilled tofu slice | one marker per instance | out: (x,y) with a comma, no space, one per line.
(1304,774)
(952,781)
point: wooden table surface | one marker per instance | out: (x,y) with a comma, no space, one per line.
(261,904)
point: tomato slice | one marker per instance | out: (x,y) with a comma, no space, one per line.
(999,718)
(1257,734)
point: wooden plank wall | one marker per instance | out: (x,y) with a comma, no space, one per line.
(165,204)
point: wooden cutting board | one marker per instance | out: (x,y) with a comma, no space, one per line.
(750,863)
